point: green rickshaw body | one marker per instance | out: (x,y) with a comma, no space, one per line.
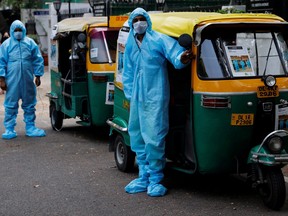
(218,117)
(97,97)
(234,111)
(215,152)
(78,90)
(228,111)
(121,113)
(224,148)
(82,70)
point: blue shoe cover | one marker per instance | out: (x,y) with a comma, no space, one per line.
(35,132)
(9,134)
(137,186)
(156,190)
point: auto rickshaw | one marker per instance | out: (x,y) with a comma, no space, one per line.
(82,70)
(228,108)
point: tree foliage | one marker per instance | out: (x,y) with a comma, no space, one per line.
(230,10)
(18,4)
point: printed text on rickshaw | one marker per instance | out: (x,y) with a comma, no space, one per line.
(242,119)
(266,92)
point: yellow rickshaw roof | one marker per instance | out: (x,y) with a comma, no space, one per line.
(177,23)
(79,23)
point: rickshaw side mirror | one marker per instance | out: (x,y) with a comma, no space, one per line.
(185,40)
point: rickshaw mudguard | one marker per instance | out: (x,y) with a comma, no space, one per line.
(264,153)
(264,156)
(118,123)
(53,98)
(263,159)
(119,126)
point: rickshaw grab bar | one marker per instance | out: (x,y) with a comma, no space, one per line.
(106,47)
(52,96)
(281,159)
(112,124)
(276,159)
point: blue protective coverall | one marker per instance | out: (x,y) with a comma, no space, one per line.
(146,86)
(20,61)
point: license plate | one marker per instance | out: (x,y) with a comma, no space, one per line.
(266,92)
(242,119)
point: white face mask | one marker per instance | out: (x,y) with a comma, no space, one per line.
(140,27)
(18,35)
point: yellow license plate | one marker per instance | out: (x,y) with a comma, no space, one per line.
(242,119)
(266,92)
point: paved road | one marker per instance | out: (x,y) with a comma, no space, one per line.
(71,173)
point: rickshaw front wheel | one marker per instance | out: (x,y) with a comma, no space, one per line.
(56,118)
(124,157)
(273,191)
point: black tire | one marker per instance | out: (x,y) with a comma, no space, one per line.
(124,157)
(56,118)
(273,192)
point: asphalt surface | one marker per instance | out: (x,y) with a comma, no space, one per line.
(72,173)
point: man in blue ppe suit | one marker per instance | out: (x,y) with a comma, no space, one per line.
(146,86)
(20,61)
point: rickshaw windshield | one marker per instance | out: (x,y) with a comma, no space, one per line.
(243,52)
(103,46)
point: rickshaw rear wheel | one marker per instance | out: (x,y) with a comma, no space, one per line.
(124,157)
(273,191)
(56,118)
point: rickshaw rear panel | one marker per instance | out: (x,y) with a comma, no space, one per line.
(97,94)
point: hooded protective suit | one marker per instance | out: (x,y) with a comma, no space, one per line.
(146,85)
(20,61)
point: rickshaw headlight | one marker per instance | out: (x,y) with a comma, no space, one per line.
(275,144)
(270,81)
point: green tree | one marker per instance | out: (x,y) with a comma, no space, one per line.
(18,4)
(230,10)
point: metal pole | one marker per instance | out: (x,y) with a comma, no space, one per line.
(69,8)
(58,16)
